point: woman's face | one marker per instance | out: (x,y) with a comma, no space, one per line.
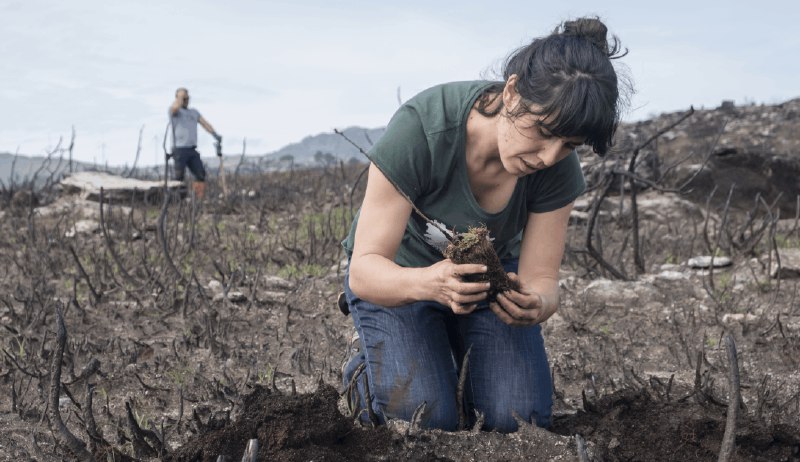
(524,145)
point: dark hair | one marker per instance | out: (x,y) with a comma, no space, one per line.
(569,80)
(179,90)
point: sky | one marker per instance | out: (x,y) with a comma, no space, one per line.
(274,72)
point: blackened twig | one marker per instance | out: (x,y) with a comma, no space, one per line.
(162,236)
(462,380)
(417,419)
(368,401)
(637,254)
(597,255)
(139,437)
(88,419)
(729,438)
(60,431)
(83,273)
(110,243)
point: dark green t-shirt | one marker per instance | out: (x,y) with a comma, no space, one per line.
(423,153)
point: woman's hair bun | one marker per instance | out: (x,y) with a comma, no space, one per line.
(593,30)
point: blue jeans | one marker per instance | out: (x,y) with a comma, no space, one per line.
(413,354)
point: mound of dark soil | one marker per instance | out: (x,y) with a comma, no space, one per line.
(632,426)
(293,428)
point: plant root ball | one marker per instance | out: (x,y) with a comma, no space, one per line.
(474,246)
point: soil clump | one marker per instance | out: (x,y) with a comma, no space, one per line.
(474,246)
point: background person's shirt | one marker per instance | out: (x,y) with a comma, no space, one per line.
(423,152)
(184,127)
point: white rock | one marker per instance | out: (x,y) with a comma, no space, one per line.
(83,227)
(790,264)
(88,184)
(579,216)
(618,293)
(739,317)
(272,296)
(215,286)
(672,276)
(705,262)
(277,282)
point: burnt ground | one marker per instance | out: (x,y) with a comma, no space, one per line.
(227,334)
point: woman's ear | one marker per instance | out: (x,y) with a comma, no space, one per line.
(511,96)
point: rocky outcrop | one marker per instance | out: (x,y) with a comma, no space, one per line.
(754,149)
(116,188)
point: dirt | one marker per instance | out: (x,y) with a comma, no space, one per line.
(633,425)
(475,247)
(206,350)
(288,428)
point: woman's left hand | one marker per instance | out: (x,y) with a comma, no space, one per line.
(522,307)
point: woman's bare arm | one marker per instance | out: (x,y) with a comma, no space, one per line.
(375,277)
(539,263)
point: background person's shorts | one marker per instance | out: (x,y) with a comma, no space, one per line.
(188,157)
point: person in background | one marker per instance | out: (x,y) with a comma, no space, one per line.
(184,137)
(500,154)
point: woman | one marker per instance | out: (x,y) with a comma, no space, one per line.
(500,154)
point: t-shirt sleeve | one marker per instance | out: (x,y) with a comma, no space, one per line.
(557,186)
(196,114)
(402,153)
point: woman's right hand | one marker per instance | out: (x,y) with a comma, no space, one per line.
(448,288)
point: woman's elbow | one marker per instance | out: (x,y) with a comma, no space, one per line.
(355,279)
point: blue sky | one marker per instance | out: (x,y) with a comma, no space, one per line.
(275,72)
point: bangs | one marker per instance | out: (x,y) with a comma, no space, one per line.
(580,109)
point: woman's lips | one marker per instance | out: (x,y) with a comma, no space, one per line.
(528,166)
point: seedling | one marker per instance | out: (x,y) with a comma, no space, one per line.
(474,246)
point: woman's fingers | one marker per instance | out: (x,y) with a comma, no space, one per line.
(468,288)
(468,268)
(525,301)
(465,299)
(459,308)
(519,315)
(515,278)
(503,315)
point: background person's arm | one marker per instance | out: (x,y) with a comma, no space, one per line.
(204,123)
(375,277)
(177,104)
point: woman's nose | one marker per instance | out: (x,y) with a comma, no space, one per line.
(549,156)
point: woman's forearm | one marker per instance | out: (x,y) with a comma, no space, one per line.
(548,290)
(381,281)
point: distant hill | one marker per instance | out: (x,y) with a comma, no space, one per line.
(315,150)
(309,149)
